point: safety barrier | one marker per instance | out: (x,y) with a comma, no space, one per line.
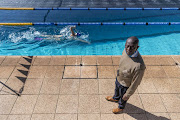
(92,23)
(1,8)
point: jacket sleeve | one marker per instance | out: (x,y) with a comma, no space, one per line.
(136,80)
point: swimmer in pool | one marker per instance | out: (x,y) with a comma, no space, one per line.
(61,37)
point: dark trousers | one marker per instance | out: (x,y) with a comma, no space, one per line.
(118,95)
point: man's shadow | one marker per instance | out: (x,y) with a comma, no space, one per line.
(129,107)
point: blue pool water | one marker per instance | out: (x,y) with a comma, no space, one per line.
(105,39)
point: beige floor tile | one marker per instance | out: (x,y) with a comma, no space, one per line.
(147,86)
(107,106)
(24,104)
(158,116)
(88,116)
(15,84)
(115,70)
(37,72)
(166,60)
(3,81)
(104,60)
(135,117)
(66,117)
(174,116)
(116,60)
(67,104)
(19,72)
(72,72)
(73,60)
(7,102)
(42,117)
(165,85)
(112,117)
(11,60)
(155,72)
(46,104)
(172,102)
(42,60)
(69,86)
(134,105)
(172,71)
(106,86)
(3,117)
(175,83)
(88,72)
(58,60)
(26,60)
(54,72)
(176,58)
(89,60)
(88,86)
(50,86)
(89,104)
(2,59)
(19,117)
(152,103)
(5,71)
(151,60)
(106,72)
(32,86)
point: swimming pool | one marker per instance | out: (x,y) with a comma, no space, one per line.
(105,39)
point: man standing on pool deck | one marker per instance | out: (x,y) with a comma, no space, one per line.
(129,74)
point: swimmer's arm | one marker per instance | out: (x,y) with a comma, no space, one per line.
(72,30)
(83,40)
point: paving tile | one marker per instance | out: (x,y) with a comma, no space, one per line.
(19,117)
(106,86)
(66,117)
(46,104)
(3,117)
(150,60)
(50,86)
(19,72)
(104,60)
(147,86)
(22,105)
(72,72)
(2,59)
(106,72)
(89,60)
(73,60)
(115,70)
(32,86)
(88,86)
(11,60)
(174,116)
(67,104)
(172,102)
(135,117)
(37,72)
(175,83)
(58,60)
(3,81)
(42,117)
(7,102)
(26,60)
(176,58)
(88,72)
(150,101)
(155,72)
(54,72)
(166,60)
(165,85)
(112,117)
(88,116)
(5,71)
(107,106)
(158,116)
(14,83)
(69,86)
(172,71)
(116,60)
(42,60)
(89,104)
(134,105)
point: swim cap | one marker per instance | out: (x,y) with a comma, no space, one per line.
(78,34)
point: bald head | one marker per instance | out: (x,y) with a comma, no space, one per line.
(131,45)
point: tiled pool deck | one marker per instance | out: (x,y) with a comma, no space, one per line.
(74,88)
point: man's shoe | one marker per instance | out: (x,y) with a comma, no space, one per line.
(110,98)
(117,110)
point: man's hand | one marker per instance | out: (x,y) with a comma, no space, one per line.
(125,98)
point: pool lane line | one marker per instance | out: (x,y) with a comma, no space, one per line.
(90,23)
(4,8)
